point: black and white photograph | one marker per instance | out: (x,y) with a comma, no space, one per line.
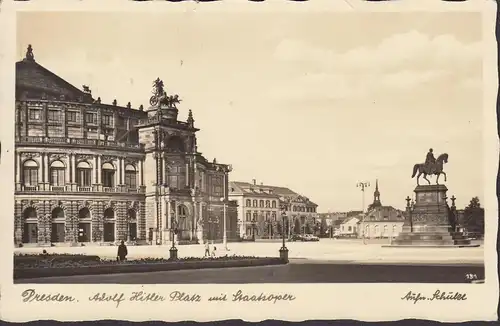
(237,149)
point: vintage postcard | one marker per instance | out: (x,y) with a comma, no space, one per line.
(215,164)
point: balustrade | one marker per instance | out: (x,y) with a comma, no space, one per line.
(75,141)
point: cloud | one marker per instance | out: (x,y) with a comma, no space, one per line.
(400,63)
(408,50)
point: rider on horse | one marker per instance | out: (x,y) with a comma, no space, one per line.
(430,161)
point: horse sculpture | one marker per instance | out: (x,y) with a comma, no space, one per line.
(431,169)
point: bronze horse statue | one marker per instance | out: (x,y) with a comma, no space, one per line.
(434,169)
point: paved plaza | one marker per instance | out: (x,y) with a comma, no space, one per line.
(325,250)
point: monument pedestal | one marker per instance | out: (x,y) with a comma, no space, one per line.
(430,222)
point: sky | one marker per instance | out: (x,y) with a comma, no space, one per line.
(312,101)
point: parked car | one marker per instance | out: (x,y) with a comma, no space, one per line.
(310,237)
(296,237)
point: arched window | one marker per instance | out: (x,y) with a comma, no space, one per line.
(83,174)
(385,229)
(255,216)
(261,203)
(108,175)
(30,173)
(273,204)
(182,211)
(57,213)
(249,216)
(394,228)
(130,177)
(84,214)
(109,214)
(376,229)
(273,214)
(255,203)
(249,203)
(268,203)
(57,173)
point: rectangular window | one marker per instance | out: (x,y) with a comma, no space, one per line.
(108,178)
(91,117)
(71,116)
(106,120)
(121,122)
(30,176)
(83,177)
(54,115)
(248,216)
(57,177)
(130,179)
(35,114)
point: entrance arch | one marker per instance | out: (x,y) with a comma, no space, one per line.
(109,225)
(30,225)
(57,231)
(84,225)
(184,226)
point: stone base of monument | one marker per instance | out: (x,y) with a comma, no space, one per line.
(429,223)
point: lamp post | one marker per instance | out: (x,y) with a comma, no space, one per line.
(173,230)
(363,185)
(409,207)
(283,249)
(253,228)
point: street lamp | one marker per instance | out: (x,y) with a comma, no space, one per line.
(409,207)
(253,228)
(363,185)
(173,230)
(283,249)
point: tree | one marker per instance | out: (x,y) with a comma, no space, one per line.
(474,217)
(323,227)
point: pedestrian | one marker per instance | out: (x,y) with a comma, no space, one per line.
(214,252)
(207,249)
(122,252)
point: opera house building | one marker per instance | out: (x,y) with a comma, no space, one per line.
(89,173)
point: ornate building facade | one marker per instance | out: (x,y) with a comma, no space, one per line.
(260,208)
(88,172)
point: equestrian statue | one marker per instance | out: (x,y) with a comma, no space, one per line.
(432,166)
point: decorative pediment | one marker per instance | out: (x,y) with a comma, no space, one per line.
(29,204)
(57,157)
(109,204)
(84,157)
(131,161)
(85,204)
(106,158)
(29,155)
(134,204)
(57,204)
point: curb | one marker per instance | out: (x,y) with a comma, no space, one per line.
(26,273)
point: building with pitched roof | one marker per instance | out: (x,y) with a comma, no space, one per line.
(93,173)
(381,221)
(260,207)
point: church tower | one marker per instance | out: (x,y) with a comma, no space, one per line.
(376,196)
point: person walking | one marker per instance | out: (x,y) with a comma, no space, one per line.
(207,249)
(122,252)
(214,252)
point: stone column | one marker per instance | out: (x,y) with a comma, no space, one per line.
(194,225)
(99,174)
(118,175)
(73,172)
(122,168)
(46,171)
(163,173)
(67,171)
(95,171)
(164,217)
(18,171)
(199,224)
(139,167)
